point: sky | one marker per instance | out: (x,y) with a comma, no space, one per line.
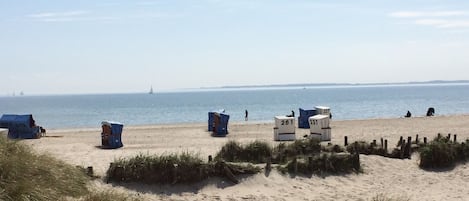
(117,46)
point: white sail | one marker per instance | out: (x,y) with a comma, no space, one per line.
(151,90)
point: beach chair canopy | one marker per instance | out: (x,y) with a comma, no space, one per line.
(304,116)
(20,126)
(17,120)
(116,127)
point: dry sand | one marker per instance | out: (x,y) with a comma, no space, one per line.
(392,177)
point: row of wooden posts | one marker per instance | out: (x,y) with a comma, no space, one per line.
(404,147)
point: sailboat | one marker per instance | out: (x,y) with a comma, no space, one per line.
(151,90)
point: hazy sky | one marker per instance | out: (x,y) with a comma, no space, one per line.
(109,46)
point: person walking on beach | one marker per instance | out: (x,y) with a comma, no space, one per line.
(245,115)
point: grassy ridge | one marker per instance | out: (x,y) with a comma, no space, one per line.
(28,176)
(172,169)
(305,156)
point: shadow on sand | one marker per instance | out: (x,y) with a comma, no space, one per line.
(178,189)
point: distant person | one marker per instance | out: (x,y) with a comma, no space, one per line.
(245,115)
(330,115)
(293,113)
(408,114)
(430,112)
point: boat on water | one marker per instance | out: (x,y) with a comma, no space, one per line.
(151,90)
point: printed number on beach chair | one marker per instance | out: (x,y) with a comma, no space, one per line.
(286,122)
(313,121)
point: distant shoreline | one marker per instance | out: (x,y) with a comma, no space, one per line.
(432,82)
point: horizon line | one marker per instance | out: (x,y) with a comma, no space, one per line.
(254,87)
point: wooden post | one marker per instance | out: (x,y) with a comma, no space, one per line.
(175,173)
(409,147)
(268,166)
(400,141)
(356,161)
(386,146)
(424,140)
(449,136)
(345,141)
(89,171)
(209,158)
(402,149)
(455,136)
(417,139)
(295,165)
(382,143)
(439,135)
(229,174)
(374,143)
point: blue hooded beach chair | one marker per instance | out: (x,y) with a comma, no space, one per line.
(20,126)
(111,136)
(220,124)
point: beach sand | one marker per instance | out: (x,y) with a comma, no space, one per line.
(391,177)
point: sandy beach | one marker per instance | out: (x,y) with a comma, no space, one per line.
(392,177)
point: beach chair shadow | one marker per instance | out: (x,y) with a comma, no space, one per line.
(104,147)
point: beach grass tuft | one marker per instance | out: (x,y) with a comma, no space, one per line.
(25,175)
(254,152)
(443,153)
(284,152)
(363,147)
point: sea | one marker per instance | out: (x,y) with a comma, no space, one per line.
(347,102)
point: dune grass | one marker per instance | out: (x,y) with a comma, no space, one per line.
(25,175)
(255,152)
(331,163)
(443,153)
(172,169)
(305,156)
(284,152)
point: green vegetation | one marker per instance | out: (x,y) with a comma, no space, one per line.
(189,168)
(363,147)
(28,176)
(255,152)
(324,163)
(283,153)
(305,156)
(172,169)
(443,153)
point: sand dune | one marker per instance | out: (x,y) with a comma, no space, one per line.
(392,177)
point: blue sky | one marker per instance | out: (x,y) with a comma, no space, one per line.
(114,46)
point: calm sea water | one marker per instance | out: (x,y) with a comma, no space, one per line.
(349,102)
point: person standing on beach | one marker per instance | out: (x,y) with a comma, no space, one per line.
(245,115)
